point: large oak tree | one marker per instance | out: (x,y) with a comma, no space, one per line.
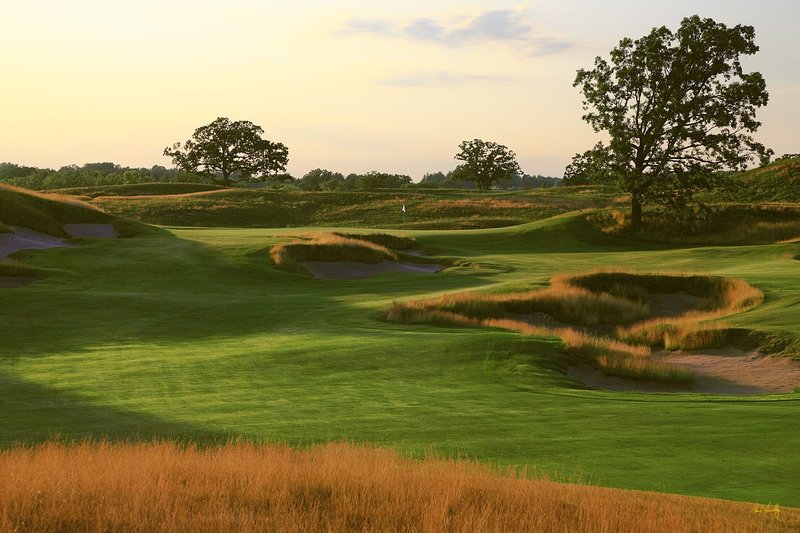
(485,163)
(678,109)
(228,151)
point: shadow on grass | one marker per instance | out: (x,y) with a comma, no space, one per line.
(159,289)
(30,413)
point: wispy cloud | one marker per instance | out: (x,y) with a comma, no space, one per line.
(440,78)
(505,25)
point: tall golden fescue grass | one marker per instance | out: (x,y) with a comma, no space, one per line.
(564,302)
(336,487)
(71,200)
(330,247)
(643,369)
(693,329)
(597,297)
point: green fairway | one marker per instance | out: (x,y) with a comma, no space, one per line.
(191,333)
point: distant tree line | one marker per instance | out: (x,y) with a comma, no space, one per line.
(107,173)
(88,175)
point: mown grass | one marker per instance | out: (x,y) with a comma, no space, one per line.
(138,189)
(48,213)
(194,335)
(336,487)
(425,209)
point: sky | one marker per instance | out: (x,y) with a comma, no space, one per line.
(347,85)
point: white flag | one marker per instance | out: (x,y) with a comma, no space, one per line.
(404,208)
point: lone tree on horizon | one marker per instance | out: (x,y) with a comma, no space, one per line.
(485,163)
(678,109)
(229,152)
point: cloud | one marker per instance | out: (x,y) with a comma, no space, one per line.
(505,26)
(440,78)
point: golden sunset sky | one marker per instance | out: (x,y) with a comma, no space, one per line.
(351,86)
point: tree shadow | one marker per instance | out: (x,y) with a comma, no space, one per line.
(31,413)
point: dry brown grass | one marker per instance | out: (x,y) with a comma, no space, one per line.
(485,203)
(693,329)
(330,247)
(563,301)
(67,199)
(600,297)
(335,487)
(642,369)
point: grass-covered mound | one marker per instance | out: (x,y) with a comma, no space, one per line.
(599,299)
(138,189)
(48,213)
(330,248)
(393,242)
(777,182)
(721,224)
(425,209)
(348,250)
(335,487)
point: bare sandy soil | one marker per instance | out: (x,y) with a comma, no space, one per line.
(105,231)
(673,303)
(355,270)
(26,239)
(726,370)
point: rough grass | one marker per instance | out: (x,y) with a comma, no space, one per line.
(48,213)
(596,298)
(425,209)
(724,224)
(692,330)
(336,487)
(330,247)
(642,369)
(138,189)
(394,242)
(776,182)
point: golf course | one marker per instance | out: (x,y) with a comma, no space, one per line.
(197,335)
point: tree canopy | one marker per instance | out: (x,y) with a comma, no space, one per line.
(589,167)
(678,109)
(485,163)
(229,152)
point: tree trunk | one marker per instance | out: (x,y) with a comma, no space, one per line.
(636,214)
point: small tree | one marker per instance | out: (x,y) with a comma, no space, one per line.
(228,152)
(678,109)
(485,163)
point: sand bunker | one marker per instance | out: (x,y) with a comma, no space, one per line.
(664,304)
(26,239)
(104,231)
(727,370)
(355,270)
